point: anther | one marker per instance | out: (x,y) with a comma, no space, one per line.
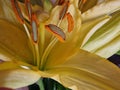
(29,9)
(64,10)
(17,11)
(81,3)
(70,22)
(34,28)
(56,31)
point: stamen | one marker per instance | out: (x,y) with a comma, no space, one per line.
(60,2)
(64,10)
(81,3)
(34,28)
(56,31)
(28,7)
(70,22)
(17,11)
(34,25)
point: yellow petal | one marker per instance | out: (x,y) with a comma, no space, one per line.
(89,28)
(109,49)
(12,75)
(87,71)
(104,8)
(104,36)
(14,42)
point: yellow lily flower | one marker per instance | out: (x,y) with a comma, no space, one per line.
(31,47)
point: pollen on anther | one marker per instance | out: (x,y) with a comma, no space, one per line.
(56,31)
(17,11)
(34,28)
(64,10)
(70,22)
(29,9)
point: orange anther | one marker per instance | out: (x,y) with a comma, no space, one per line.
(17,11)
(34,17)
(64,10)
(56,31)
(70,22)
(29,9)
(34,25)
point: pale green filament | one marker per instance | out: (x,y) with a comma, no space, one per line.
(30,40)
(47,51)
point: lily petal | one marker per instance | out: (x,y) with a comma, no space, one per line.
(106,36)
(87,71)
(15,76)
(109,49)
(89,28)
(104,8)
(14,42)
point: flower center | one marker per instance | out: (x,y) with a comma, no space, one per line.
(34,33)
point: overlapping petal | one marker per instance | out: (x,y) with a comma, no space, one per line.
(109,49)
(74,67)
(13,75)
(14,42)
(104,38)
(89,28)
(104,8)
(87,71)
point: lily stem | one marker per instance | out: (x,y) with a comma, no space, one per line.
(41,84)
